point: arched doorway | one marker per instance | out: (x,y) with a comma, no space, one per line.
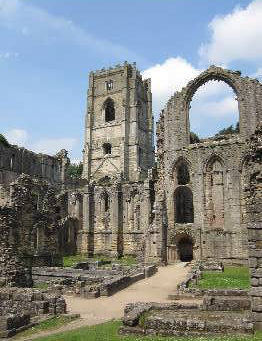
(185,249)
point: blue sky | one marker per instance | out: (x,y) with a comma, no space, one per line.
(48,47)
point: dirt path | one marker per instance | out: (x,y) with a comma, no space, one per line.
(102,309)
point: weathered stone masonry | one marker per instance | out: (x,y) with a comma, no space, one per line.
(202,184)
(192,206)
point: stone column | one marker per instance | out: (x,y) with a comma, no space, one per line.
(116,221)
(254,223)
(86,234)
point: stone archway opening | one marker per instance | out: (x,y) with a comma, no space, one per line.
(185,249)
(213,111)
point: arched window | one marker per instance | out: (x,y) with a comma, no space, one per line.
(109,110)
(107,148)
(183,202)
(215,193)
(107,202)
(213,111)
(182,173)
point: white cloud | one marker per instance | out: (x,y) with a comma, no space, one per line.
(16,136)
(218,108)
(8,55)
(21,138)
(34,22)
(167,78)
(52,146)
(258,73)
(235,36)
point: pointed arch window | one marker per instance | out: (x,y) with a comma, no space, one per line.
(107,148)
(182,172)
(109,110)
(184,208)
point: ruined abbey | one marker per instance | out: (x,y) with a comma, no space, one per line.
(189,201)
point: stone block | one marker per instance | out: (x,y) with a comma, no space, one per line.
(256,291)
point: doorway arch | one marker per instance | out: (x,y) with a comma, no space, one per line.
(185,249)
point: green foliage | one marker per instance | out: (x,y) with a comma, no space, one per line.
(4,141)
(231,278)
(43,285)
(69,261)
(49,324)
(194,137)
(75,170)
(229,130)
(109,332)
(127,260)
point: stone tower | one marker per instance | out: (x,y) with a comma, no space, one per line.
(119,125)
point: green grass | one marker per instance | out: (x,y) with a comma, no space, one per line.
(43,285)
(232,278)
(49,324)
(109,332)
(69,261)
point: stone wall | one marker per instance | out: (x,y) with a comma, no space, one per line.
(18,306)
(129,132)
(253,220)
(37,223)
(116,218)
(15,161)
(202,184)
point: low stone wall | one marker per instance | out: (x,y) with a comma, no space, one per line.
(188,319)
(195,275)
(18,305)
(35,302)
(226,300)
(11,323)
(92,283)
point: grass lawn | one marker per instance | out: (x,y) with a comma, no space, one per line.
(49,324)
(69,261)
(232,278)
(109,332)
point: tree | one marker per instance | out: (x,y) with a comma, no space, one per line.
(75,170)
(4,141)
(194,138)
(229,130)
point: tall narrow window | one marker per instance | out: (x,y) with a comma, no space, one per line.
(184,209)
(109,84)
(140,156)
(107,148)
(107,203)
(109,110)
(182,173)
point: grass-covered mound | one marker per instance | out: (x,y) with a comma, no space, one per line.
(233,277)
(69,261)
(51,323)
(109,332)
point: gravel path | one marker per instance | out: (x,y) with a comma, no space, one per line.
(102,309)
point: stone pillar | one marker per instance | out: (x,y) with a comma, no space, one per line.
(253,200)
(255,264)
(116,221)
(87,233)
